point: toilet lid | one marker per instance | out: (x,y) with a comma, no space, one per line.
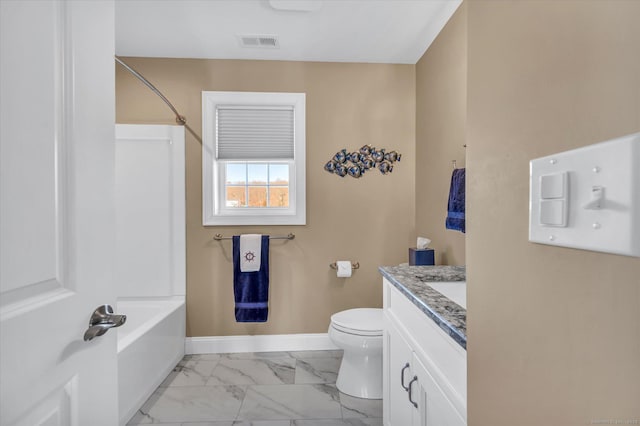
(363,321)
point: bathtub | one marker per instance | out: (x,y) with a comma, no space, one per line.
(150,344)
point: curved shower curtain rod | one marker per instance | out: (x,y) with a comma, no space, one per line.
(180,119)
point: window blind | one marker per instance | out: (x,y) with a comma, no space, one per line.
(251,133)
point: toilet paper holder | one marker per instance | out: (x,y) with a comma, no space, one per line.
(334,265)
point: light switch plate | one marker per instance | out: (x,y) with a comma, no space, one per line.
(610,169)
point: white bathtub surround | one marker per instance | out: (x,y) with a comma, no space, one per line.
(264,402)
(148,349)
(150,258)
(260,343)
(150,211)
(143,315)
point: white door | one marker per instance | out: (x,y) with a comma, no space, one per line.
(56,212)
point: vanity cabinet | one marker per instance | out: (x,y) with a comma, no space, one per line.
(398,360)
(424,382)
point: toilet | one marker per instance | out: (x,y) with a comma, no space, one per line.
(359,333)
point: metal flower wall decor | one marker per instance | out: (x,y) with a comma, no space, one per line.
(356,163)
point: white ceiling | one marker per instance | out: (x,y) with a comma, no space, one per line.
(382,31)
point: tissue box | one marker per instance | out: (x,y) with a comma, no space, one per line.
(421,256)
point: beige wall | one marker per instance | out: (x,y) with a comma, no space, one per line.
(369,220)
(441,112)
(554,333)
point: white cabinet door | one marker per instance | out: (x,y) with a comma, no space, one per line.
(433,408)
(397,376)
(57,218)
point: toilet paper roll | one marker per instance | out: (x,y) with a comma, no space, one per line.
(344,268)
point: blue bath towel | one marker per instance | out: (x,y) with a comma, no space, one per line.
(455,208)
(251,289)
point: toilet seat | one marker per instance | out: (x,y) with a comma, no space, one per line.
(361,321)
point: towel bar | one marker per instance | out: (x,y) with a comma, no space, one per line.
(290,236)
(334,265)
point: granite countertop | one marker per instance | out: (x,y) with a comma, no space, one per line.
(412,282)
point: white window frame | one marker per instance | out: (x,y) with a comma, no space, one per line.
(214,210)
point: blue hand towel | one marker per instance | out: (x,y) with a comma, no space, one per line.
(251,289)
(455,208)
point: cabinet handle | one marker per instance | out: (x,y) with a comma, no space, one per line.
(406,388)
(415,379)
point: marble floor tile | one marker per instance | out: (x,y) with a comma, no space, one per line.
(257,389)
(242,423)
(253,372)
(193,404)
(192,371)
(227,423)
(203,357)
(140,419)
(338,422)
(316,354)
(317,370)
(358,407)
(266,402)
(257,355)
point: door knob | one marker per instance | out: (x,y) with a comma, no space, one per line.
(102,320)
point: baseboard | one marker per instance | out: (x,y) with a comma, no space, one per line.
(260,343)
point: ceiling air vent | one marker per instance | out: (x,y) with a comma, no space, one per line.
(261,41)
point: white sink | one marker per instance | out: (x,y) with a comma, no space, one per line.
(456,291)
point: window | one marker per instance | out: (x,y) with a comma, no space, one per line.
(253,158)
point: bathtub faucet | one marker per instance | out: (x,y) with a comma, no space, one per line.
(102,320)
